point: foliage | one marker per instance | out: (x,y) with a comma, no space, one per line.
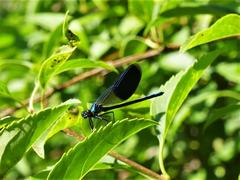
(54,52)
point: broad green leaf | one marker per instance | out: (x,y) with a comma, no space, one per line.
(77,162)
(175,92)
(18,137)
(7,120)
(83,63)
(67,120)
(224,69)
(227,26)
(52,64)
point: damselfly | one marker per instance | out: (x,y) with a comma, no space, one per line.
(123,87)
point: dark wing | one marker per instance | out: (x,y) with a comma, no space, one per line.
(123,87)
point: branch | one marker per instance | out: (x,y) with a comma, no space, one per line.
(83,76)
(122,158)
(137,166)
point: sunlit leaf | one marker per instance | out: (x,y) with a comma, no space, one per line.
(77,162)
(52,64)
(54,38)
(47,20)
(18,137)
(67,120)
(227,26)
(83,63)
(224,69)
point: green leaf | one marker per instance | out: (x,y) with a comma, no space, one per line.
(227,26)
(46,20)
(76,163)
(175,92)
(142,9)
(221,113)
(83,63)
(3,89)
(67,120)
(204,9)
(133,46)
(5,95)
(130,25)
(15,64)
(224,69)
(7,120)
(54,38)
(52,64)
(186,110)
(18,137)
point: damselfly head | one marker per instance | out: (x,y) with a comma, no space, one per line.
(87,114)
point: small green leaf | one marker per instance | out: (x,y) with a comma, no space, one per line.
(83,63)
(46,20)
(3,89)
(142,9)
(52,64)
(77,162)
(5,95)
(54,38)
(224,69)
(18,137)
(192,10)
(227,26)
(175,92)
(221,113)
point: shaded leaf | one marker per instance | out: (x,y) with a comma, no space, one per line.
(221,113)
(5,96)
(77,162)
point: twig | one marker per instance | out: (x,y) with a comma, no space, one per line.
(136,165)
(85,75)
(122,158)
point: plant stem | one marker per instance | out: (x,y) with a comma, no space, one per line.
(137,166)
(31,100)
